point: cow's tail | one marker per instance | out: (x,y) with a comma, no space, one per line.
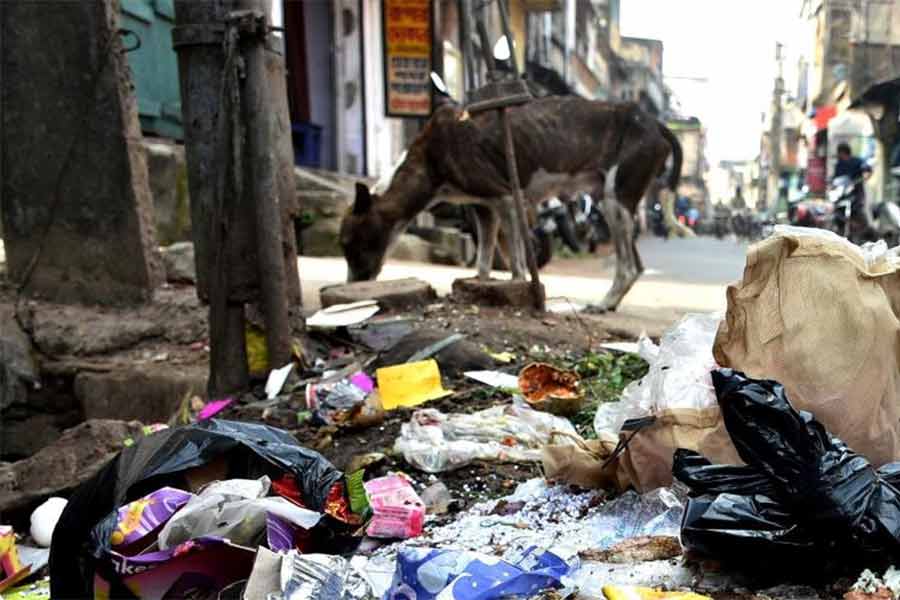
(677,156)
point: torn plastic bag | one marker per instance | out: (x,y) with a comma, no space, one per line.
(434,442)
(166,458)
(802,490)
(703,477)
(428,574)
(732,514)
(677,393)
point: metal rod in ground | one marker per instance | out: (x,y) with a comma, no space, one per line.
(537,291)
(260,159)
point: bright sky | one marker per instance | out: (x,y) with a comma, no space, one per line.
(730,42)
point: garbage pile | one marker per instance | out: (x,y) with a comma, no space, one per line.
(753,449)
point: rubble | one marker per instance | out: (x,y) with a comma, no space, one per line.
(178,262)
(75,457)
(391,295)
(494,292)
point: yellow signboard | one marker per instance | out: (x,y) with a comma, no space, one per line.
(407,57)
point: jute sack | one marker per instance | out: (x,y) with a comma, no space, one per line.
(814,314)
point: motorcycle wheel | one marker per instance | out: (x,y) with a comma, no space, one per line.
(566,228)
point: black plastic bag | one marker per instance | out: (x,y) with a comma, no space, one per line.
(252,450)
(800,484)
(731,513)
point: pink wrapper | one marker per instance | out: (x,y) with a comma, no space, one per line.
(398,511)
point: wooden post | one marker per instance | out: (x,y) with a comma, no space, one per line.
(260,157)
(222,231)
(520,218)
(233,167)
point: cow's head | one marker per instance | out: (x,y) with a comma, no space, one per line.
(365,237)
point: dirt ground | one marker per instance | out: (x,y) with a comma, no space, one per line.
(494,330)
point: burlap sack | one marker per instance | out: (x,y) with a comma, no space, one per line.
(585,463)
(647,462)
(813,315)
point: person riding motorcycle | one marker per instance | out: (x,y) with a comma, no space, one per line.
(856,170)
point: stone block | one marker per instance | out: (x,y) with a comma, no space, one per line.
(321,238)
(411,248)
(395,294)
(75,190)
(146,396)
(73,458)
(167,172)
(178,260)
(494,292)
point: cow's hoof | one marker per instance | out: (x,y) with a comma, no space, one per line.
(598,309)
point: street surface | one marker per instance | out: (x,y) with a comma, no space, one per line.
(682,276)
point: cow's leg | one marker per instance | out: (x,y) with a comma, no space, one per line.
(513,233)
(628,263)
(488,225)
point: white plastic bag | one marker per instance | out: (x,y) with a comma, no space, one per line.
(678,377)
(434,442)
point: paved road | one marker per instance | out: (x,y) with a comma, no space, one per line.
(681,275)
(700,260)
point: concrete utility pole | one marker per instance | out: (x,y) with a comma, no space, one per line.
(775,132)
(233,134)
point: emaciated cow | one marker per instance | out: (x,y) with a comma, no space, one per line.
(562,145)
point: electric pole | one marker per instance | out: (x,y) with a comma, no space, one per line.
(775,134)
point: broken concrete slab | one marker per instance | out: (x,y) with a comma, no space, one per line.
(18,368)
(178,260)
(394,294)
(74,331)
(494,292)
(78,214)
(167,171)
(75,457)
(410,248)
(149,396)
(23,438)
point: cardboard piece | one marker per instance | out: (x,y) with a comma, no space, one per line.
(198,568)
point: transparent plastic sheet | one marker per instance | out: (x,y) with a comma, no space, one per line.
(678,377)
(631,515)
(433,441)
(824,497)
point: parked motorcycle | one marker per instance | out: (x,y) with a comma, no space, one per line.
(810,213)
(658,221)
(847,218)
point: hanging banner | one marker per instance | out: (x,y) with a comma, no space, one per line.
(406,27)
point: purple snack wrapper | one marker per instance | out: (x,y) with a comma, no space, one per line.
(279,533)
(139,518)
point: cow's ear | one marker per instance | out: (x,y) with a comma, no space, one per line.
(363,201)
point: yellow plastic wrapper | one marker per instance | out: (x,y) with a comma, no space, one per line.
(410,384)
(257,353)
(630,592)
(12,570)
